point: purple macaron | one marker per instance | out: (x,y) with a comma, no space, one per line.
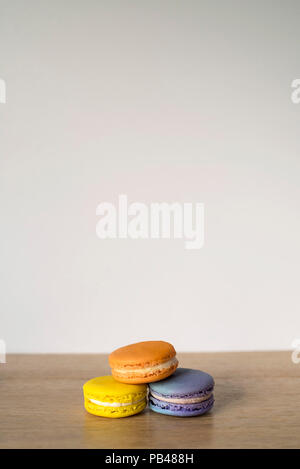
(186,393)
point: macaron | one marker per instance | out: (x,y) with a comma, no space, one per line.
(143,362)
(186,393)
(106,397)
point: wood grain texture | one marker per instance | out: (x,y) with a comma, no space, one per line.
(257,405)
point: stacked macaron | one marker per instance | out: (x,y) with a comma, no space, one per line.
(181,392)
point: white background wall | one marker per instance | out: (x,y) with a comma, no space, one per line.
(163,101)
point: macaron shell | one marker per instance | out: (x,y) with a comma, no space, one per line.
(156,376)
(181,410)
(114,412)
(185,382)
(142,354)
(107,389)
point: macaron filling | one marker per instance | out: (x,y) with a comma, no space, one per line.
(149,369)
(115,404)
(182,400)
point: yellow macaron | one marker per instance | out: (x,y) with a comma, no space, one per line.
(106,397)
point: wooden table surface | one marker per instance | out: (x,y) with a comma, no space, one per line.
(257,405)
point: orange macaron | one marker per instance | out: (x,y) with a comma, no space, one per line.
(144,362)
